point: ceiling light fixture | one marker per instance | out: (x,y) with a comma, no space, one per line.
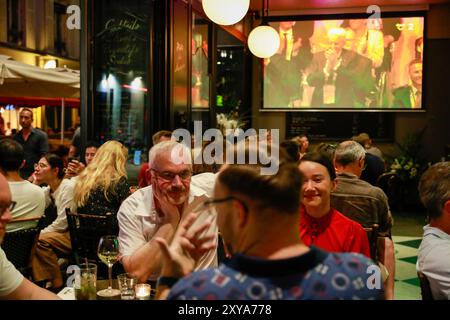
(226,12)
(264,40)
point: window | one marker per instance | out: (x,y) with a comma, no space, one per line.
(15,22)
(60,30)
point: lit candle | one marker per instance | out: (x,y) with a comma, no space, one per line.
(143,291)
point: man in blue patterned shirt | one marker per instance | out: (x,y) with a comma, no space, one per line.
(258,217)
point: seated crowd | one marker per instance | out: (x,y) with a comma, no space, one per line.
(298,233)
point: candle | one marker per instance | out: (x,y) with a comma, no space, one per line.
(143,291)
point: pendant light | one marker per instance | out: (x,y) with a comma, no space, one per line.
(264,40)
(225,12)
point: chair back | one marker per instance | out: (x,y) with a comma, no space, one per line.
(85,233)
(425,288)
(372,236)
(389,183)
(19,245)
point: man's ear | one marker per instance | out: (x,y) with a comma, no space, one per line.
(447,206)
(242,214)
(361,162)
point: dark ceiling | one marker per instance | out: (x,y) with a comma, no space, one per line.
(289,5)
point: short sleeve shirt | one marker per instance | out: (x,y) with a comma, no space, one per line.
(10,277)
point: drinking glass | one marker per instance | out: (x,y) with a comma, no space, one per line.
(127,284)
(85,282)
(108,252)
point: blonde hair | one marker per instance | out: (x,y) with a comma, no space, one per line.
(105,170)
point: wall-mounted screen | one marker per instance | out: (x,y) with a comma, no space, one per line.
(353,63)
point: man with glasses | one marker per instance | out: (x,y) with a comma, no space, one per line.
(156,210)
(362,202)
(30,198)
(258,217)
(12,283)
(33,141)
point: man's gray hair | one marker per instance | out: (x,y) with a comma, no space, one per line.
(348,152)
(434,188)
(179,153)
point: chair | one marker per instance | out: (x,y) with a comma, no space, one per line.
(85,233)
(362,209)
(372,236)
(389,183)
(19,245)
(425,288)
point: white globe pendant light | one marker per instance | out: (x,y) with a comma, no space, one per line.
(226,12)
(263,41)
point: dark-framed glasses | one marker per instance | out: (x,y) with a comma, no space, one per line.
(169,176)
(214,201)
(11,207)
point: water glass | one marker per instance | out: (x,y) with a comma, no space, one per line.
(86,282)
(127,284)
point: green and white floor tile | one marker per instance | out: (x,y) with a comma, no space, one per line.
(407,285)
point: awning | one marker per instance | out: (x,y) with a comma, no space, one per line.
(33,102)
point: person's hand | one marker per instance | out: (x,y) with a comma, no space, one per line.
(188,245)
(167,212)
(74,168)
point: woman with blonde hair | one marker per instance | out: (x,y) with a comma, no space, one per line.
(103,185)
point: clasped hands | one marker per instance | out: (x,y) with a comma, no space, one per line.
(189,243)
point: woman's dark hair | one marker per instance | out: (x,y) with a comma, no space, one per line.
(321,159)
(92,144)
(292,149)
(55,162)
(327,149)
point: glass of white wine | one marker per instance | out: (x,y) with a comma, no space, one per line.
(108,252)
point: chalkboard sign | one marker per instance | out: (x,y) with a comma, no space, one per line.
(340,125)
(121,53)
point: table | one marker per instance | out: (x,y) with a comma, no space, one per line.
(68,293)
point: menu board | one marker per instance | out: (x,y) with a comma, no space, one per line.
(121,50)
(340,125)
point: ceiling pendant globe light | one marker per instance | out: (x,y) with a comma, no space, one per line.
(264,41)
(226,12)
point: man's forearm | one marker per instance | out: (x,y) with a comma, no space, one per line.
(147,259)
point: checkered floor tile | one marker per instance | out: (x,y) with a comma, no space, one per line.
(407,285)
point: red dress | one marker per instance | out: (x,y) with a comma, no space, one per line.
(334,233)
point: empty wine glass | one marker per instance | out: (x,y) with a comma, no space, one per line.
(108,252)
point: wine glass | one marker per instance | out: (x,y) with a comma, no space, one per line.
(108,252)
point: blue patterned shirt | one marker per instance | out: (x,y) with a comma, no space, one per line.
(315,275)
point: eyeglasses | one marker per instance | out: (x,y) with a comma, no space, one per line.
(11,207)
(169,176)
(229,198)
(40,165)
